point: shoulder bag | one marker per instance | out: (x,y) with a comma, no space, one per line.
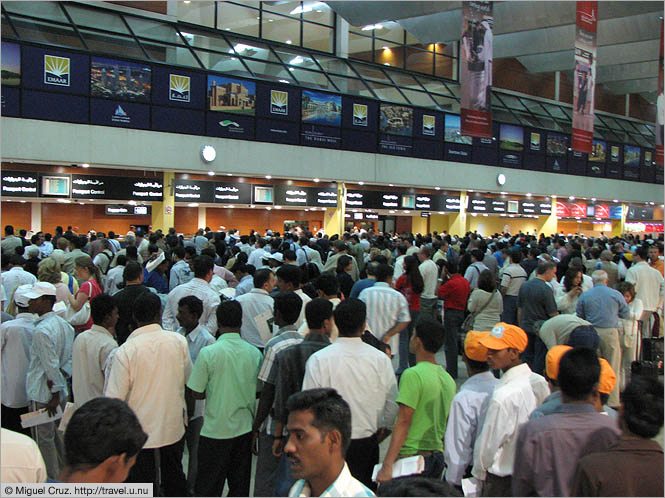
(467,324)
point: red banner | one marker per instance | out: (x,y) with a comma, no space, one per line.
(476,77)
(584,76)
(571,209)
(660,105)
(602,211)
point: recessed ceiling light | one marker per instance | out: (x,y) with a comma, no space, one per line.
(211,173)
(471,191)
(615,200)
(229,174)
(391,185)
(593,199)
(193,204)
(528,195)
(317,180)
(268,208)
(85,165)
(361,183)
(268,177)
(572,197)
(289,42)
(278,207)
(407,212)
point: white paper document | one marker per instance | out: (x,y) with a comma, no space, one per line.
(70,408)
(404,467)
(39,417)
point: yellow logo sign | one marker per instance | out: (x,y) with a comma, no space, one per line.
(56,70)
(429,122)
(179,87)
(360,112)
(279,102)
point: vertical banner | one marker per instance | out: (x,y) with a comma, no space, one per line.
(660,105)
(584,75)
(476,82)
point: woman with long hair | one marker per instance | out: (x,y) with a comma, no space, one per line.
(566,297)
(485,302)
(411,285)
(344,265)
(629,336)
(92,286)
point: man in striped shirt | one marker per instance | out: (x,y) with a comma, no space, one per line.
(513,276)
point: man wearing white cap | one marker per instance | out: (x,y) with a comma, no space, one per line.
(50,365)
(16,337)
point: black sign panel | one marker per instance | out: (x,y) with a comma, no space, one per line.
(193,191)
(478,205)
(178,88)
(557,164)
(360,199)
(91,187)
(460,153)
(138,189)
(358,141)
(535,207)
(9,98)
(393,200)
(448,203)
(425,201)
(576,166)
(321,136)
(595,169)
(119,114)
(631,174)
(321,197)
(510,158)
(229,126)
(396,145)
(277,102)
(55,70)
(427,149)
(648,175)
(54,107)
(491,142)
(485,155)
(20,184)
(534,162)
(639,212)
(233,193)
(497,206)
(289,195)
(359,114)
(281,132)
(178,120)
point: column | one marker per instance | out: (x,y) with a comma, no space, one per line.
(619,226)
(35,216)
(419,225)
(333,221)
(438,223)
(457,221)
(549,224)
(202,217)
(163,213)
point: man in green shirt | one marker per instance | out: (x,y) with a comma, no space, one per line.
(225,375)
(425,394)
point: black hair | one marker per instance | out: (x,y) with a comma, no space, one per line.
(202,266)
(350,317)
(122,260)
(417,486)
(431,334)
(486,281)
(327,283)
(99,429)
(544,266)
(477,254)
(571,273)
(289,305)
(289,254)
(413,274)
(515,256)
(330,412)
(229,314)
(261,277)
(643,406)
(317,311)
(179,252)
(193,303)
(101,306)
(147,307)
(642,252)
(191,250)
(579,372)
(383,272)
(291,274)
(132,271)
(342,263)
(9,230)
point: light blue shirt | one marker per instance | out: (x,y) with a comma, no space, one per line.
(551,405)
(180,274)
(602,306)
(246,284)
(50,357)
(197,339)
(46,249)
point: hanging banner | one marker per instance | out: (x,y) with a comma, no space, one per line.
(584,74)
(476,77)
(660,105)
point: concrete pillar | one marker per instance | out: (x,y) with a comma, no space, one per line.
(549,224)
(627,105)
(619,226)
(557,84)
(458,222)
(342,38)
(419,225)
(333,221)
(438,223)
(202,217)
(35,216)
(163,213)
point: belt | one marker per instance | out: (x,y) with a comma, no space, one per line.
(428,453)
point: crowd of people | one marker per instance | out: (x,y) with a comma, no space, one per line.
(508,365)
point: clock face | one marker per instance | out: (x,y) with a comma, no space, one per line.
(208,153)
(501,179)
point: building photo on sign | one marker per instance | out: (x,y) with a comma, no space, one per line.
(231,95)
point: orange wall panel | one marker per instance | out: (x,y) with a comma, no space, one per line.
(186,220)
(87,217)
(259,219)
(17,215)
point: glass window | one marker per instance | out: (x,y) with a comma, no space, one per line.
(388,93)
(312,78)
(388,53)
(238,19)
(112,44)
(222,63)
(42,10)
(93,18)
(154,30)
(371,73)
(444,66)
(281,29)
(434,85)
(447,103)
(419,60)
(351,86)
(333,65)
(266,70)
(180,56)
(201,39)
(292,9)
(46,33)
(295,58)
(202,13)
(404,80)
(318,37)
(390,31)
(505,116)
(419,98)
(320,12)
(360,47)
(6,29)
(251,48)
(555,111)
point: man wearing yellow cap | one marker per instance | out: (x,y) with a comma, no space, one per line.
(517,394)
(553,401)
(466,409)
(548,448)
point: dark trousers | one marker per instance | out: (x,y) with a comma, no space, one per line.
(170,466)
(452,321)
(192,435)
(534,354)
(267,464)
(497,486)
(434,464)
(11,419)
(361,457)
(222,459)
(406,358)
(510,305)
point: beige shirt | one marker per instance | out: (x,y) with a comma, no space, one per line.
(21,459)
(89,353)
(149,372)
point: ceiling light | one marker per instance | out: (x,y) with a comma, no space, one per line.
(297,60)
(474,214)
(471,191)
(391,211)
(386,63)
(301,9)
(615,200)
(284,81)
(82,203)
(437,188)
(211,173)
(370,27)
(240,47)
(317,180)
(289,42)
(193,204)
(269,20)
(528,195)
(85,165)
(361,183)
(268,177)
(407,212)
(229,174)
(278,207)
(65,201)
(572,198)
(442,212)
(227,29)
(385,47)
(593,199)
(268,208)
(91,200)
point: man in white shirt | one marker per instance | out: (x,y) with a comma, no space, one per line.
(648,284)
(20,459)
(467,408)
(364,377)
(257,309)
(517,394)
(475,268)
(92,347)
(114,276)
(181,273)
(258,254)
(387,310)
(399,262)
(149,372)
(513,276)
(16,337)
(10,241)
(430,272)
(199,286)
(288,280)
(16,275)
(50,365)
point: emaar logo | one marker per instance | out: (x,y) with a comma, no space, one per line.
(120,116)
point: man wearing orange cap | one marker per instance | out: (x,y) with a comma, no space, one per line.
(553,401)
(608,380)
(549,447)
(517,394)
(466,409)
